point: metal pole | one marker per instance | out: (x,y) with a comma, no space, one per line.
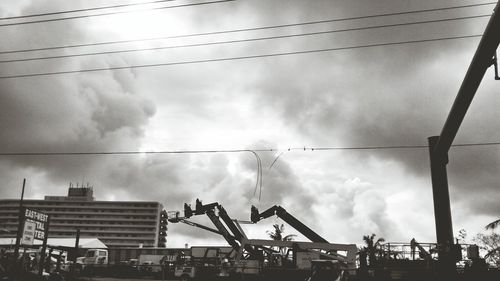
(440,145)
(44,248)
(20,222)
(482,60)
(442,208)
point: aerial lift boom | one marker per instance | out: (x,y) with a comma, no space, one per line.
(279,211)
(177,219)
(233,236)
(226,226)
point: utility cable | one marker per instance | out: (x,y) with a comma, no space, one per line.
(234,58)
(67,153)
(237,30)
(275,159)
(114,13)
(389,147)
(85,9)
(242,40)
(259,172)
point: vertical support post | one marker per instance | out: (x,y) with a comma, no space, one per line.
(77,241)
(59,258)
(442,208)
(20,222)
(44,248)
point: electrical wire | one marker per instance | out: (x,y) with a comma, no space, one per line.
(390,147)
(86,9)
(234,58)
(240,150)
(115,13)
(258,182)
(275,159)
(237,30)
(243,40)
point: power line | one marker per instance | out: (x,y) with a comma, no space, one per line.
(390,147)
(114,13)
(242,40)
(239,30)
(234,58)
(238,150)
(85,9)
(132,152)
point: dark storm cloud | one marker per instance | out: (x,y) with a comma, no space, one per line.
(76,114)
(379,97)
(85,112)
(395,95)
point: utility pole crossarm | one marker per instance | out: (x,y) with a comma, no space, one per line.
(480,63)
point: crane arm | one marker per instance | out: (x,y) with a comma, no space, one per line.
(224,232)
(200,226)
(279,211)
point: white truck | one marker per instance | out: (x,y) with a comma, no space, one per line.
(92,258)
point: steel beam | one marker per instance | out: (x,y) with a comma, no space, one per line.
(480,63)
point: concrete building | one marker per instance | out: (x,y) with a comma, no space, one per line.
(116,223)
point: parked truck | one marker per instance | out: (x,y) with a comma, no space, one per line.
(150,264)
(94,261)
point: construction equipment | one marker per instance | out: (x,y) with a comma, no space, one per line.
(325,270)
(175,218)
(260,258)
(226,226)
(319,246)
(279,211)
(246,261)
(423,254)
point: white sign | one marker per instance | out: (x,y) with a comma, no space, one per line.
(41,223)
(28,233)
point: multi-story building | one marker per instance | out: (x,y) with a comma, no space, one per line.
(115,223)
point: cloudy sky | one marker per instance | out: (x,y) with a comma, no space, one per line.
(356,97)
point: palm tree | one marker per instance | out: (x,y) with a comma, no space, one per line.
(495,252)
(371,247)
(277,235)
(493,225)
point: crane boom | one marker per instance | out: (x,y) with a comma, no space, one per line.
(279,211)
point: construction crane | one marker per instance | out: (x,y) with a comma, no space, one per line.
(279,211)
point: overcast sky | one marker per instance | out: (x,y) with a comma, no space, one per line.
(378,96)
